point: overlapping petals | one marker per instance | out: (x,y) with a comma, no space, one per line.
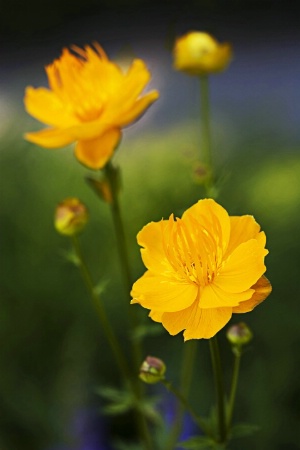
(201,269)
(90,99)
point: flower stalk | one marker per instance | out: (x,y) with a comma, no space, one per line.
(188,360)
(116,349)
(206,135)
(107,329)
(233,389)
(219,387)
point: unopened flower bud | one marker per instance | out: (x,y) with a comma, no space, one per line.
(198,53)
(152,370)
(239,334)
(70,217)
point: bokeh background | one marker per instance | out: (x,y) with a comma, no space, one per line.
(53,354)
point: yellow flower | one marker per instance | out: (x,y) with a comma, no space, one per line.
(90,99)
(198,53)
(201,269)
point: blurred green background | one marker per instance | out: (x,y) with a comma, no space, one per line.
(53,353)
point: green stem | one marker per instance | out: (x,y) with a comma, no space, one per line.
(119,227)
(107,329)
(206,134)
(109,333)
(189,354)
(233,389)
(112,177)
(218,379)
(185,405)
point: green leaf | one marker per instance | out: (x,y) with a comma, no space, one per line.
(118,445)
(70,256)
(198,442)
(243,429)
(101,287)
(119,401)
(146,330)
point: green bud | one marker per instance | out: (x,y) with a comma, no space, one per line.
(239,334)
(70,217)
(152,370)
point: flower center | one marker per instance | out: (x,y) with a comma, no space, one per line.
(192,252)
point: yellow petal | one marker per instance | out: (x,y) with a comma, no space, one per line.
(95,153)
(50,138)
(153,254)
(243,267)
(156,315)
(163,294)
(48,108)
(213,296)
(242,229)
(198,323)
(213,217)
(135,80)
(137,109)
(262,289)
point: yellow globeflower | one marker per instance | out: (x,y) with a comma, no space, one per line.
(90,99)
(198,53)
(201,269)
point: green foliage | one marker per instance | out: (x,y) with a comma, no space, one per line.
(243,429)
(200,442)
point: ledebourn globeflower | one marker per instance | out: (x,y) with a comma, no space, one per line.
(198,53)
(88,101)
(201,269)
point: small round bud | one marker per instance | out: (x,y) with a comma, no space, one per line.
(152,370)
(70,217)
(198,53)
(239,334)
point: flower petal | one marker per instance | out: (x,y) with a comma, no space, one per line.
(163,294)
(153,254)
(212,217)
(50,138)
(242,229)
(156,315)
(137,109)
(198,323)
(213,296)
(262,289)
(243,267)
(48,108)
(94,153)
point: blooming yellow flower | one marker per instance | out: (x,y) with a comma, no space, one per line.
(90,99)
(201,269)
(198,53)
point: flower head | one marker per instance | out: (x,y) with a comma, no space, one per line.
(239,334)
(201,269)
(88,101)
(152,370)
(70,216)
(198,53)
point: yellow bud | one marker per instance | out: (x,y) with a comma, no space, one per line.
(70,217)
(152,370)
(239,334)
(198,53)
